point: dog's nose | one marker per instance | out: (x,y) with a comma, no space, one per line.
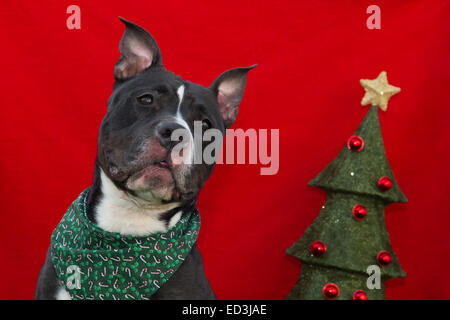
(164,131)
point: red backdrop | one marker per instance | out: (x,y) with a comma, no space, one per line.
(311,55)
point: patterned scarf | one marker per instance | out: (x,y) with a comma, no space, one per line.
(95,264)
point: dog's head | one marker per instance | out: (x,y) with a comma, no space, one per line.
(147,106)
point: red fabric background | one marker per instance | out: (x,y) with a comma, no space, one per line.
(311,55)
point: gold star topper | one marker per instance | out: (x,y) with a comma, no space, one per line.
(378,91)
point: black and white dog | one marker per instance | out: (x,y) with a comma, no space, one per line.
(137,188)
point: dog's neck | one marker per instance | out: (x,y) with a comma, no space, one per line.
(115,210)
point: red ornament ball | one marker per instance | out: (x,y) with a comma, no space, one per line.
(384,258)
(359,212)
(318,248)
(355,143)
(385,184)
(359,295)
(330,291)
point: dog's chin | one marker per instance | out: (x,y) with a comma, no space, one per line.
(153,183)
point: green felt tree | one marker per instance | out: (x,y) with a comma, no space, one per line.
(349,235)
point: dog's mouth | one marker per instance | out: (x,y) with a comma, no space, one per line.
(155,174)
(163,164)
(159,179)
(151,168)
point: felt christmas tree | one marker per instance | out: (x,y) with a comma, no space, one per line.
(349,235)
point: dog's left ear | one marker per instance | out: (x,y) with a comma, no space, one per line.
(229,88)
(139,51)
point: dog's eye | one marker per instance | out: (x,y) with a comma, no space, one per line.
(145,99)
(206,124)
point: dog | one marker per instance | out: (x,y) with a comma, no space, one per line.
(140,191)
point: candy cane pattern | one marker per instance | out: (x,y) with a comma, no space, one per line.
(103,258)
(156,259)
(181,245)
(129,296)
(142,272)
(169,257)
(114,266)
(116,272)
(143,259)
(130,284)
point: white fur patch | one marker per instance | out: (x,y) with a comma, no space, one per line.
(173,221)
(180,93)
(120,212)
(188,158)
(62,294)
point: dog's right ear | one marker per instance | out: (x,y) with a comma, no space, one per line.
(139,51)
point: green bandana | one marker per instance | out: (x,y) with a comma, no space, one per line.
(95,264)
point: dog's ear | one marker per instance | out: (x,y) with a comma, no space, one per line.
(139,51)
(229,88)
